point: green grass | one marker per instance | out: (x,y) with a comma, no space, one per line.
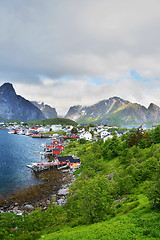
(138,223)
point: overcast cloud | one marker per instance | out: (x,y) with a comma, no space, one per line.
(69,52)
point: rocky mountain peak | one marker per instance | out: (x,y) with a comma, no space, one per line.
(48,111)
(13,106)
(153,106)
(115,111)
(7,89)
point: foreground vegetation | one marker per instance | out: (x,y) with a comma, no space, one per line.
(116,194)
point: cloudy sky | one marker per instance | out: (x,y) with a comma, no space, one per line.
(70,52)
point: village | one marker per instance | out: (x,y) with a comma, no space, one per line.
(61,136)
(89,133)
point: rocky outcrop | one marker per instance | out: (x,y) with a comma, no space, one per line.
(13,106)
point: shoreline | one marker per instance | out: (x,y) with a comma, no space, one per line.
(53,189)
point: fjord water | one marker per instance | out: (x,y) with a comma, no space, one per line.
(16,151)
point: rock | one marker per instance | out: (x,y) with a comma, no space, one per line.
(122,199)
(63,191)
(110,175)
(48,202)
(61,202)
(64,179)
(28,207)
(15,208)
(119,200)
(17,211)
(116,201)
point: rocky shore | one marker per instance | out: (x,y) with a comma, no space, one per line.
(53,189)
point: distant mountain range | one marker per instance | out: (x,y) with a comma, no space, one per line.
(115,111)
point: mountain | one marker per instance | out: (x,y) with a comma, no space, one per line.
(116,111)
(13,106)
(47,111)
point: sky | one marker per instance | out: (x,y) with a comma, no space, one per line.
(79,52)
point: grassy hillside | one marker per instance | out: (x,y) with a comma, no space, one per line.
(139,223)
(52,121)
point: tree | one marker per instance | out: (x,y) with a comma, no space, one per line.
(92,132)
(74,130)
(111,148)
(154,190)
(90,200)
(82,141)
(156,135)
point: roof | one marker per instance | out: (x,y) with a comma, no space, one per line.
(70,158)
(59,144)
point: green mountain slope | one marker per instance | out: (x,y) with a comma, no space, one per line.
(52,121)
(115,111)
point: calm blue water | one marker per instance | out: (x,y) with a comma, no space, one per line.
(15,152)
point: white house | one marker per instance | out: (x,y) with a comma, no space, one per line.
(104,133)
(86,135)
(43,129)
(109,136)
(81,130)
(100,129)
(92,128)
(56,128)
(68,128)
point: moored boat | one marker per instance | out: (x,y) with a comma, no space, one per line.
(11,131)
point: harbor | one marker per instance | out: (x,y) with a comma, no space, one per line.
(53,159)
(42,181)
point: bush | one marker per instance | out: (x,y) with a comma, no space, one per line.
(82,141)
(89,200)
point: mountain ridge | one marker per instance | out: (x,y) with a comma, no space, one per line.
(48,111)
(114,110)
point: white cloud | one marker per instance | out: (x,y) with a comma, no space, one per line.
(50,50)
(63,94)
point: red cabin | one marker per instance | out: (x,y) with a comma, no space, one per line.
(56,151)
(55,142)
(61,146)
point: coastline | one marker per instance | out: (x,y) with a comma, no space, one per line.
(54,189)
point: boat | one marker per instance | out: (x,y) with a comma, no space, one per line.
(59,162)
(11,131)
(21,132)
(40,166)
